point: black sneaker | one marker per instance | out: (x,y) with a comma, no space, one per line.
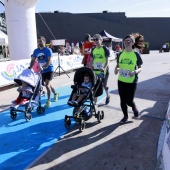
(124,120)
(135,112)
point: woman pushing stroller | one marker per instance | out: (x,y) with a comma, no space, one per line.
(99,62)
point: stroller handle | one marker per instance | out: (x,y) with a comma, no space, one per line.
(97,70)
(101,75)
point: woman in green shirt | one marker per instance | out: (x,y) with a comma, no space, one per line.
(99,61)
(129,66)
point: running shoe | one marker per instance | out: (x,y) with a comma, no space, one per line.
(135,111)
(48,103)
(124,120)
(56,97)
(71,102)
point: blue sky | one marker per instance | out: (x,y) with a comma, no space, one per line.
(132,8)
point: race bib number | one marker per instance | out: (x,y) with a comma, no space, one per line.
(124,73)
(99,65)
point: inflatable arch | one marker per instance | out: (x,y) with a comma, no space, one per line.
(21,28)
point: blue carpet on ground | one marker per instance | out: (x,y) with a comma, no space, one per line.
(22,142)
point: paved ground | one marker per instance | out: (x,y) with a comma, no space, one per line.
(108,145)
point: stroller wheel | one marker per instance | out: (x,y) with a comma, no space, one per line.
(28,117)
(82,125)
(30,109)
(40,110)
(99,116)
(102,114)
(13,115)
(67,122)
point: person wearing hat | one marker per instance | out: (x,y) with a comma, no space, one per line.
(129,66)
(86,49)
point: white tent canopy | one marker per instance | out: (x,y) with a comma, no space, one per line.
(106,35)
(3,38)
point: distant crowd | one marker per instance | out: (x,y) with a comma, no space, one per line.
(77,48)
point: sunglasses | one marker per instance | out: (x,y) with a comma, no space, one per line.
(127,41)
(39,41)
(96,39)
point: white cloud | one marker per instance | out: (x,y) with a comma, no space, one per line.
(139,4)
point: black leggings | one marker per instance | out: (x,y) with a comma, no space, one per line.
(126,93)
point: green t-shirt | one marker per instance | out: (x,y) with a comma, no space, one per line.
(99,56)
(128,62)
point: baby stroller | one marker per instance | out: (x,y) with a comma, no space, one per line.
(34,81)
(85,108)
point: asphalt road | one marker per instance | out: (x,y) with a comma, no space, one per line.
(109,145)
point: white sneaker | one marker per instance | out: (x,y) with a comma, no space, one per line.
(75,103)
(71,102)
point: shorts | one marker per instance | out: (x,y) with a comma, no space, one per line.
(47,76)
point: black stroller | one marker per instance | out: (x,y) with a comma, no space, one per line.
(34,80)
(85,108)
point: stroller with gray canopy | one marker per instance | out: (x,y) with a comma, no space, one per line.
(86,108)
(34,80)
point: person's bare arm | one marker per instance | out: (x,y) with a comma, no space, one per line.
(106,64)
(32,62)
(91,63)
(48,62)
(138,70)
(116,69)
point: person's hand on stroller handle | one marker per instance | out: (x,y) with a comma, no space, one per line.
(101,69)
